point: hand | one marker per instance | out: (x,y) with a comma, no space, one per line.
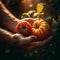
(22,41)
(10,38)
(30,20)
(39,43)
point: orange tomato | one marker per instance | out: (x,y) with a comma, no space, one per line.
(41,29)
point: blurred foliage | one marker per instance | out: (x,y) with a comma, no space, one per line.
(52,7)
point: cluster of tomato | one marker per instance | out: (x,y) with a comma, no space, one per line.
(40,28)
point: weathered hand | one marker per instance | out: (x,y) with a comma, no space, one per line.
(39,43)
(22,41)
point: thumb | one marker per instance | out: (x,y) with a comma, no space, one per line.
(29,39)
(33,38)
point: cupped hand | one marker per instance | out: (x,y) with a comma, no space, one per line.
(22,41)
(39,43)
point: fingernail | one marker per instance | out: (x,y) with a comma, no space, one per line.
(33,38)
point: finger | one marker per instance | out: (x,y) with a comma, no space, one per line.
(30,20)
(33,38)
(32,46)
(17,35)
(28,40)
(17,38)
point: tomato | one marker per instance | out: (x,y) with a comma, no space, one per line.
(24,28)
(41,29)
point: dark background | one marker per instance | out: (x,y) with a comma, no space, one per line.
(52,7)
(48,52)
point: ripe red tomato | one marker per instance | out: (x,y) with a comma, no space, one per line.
(24,28)
(41,29)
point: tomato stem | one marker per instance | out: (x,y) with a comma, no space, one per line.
(23,27)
